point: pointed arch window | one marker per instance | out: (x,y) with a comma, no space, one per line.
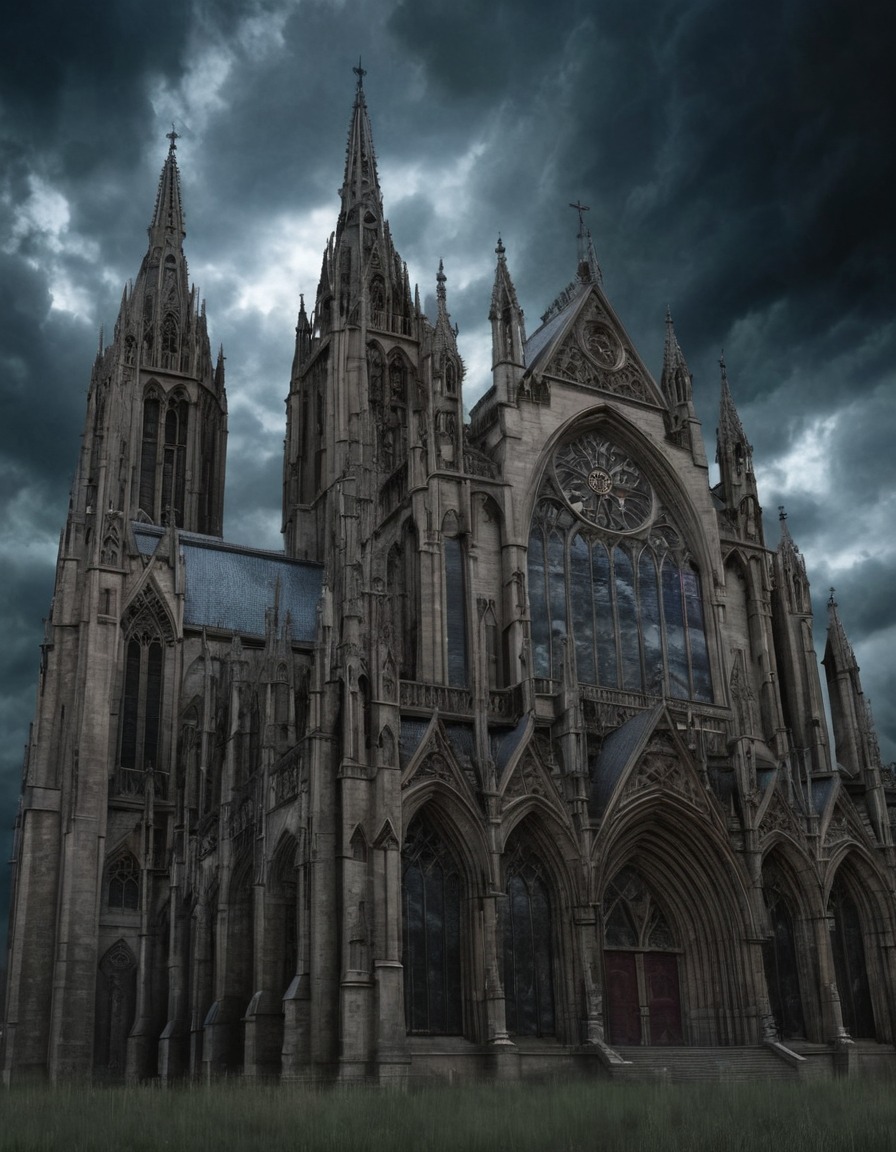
(116,1007)
(527,932)
(779,956)
(163,460)
(848,947)
(170,342)
(141,712)
(455,612)
(123,883)
(431,894)
(608,569)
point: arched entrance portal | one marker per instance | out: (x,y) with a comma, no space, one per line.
(641,965)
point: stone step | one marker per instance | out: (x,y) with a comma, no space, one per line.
(694,1064)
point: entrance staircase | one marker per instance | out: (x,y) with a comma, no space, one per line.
(680,1064)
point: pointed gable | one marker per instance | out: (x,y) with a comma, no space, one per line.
(583,343)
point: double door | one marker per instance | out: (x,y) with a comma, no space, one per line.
(643,998)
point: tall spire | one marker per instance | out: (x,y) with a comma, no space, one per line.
(508,330)
(731,430)
(168,217)
(361,182)
(588,268)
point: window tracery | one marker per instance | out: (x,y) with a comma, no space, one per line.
(431,900)
(609,571)
(123,883)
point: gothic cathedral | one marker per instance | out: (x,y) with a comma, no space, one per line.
(514,762)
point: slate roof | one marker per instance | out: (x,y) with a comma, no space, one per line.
(229,587)
(617,752)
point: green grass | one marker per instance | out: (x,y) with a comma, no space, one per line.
(571,1117)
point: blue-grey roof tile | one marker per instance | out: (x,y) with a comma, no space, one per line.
(230,588)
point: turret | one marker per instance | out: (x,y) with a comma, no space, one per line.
(508,332)
(447,375)
(676,383)
(737,487)
(854,738)
(798,674)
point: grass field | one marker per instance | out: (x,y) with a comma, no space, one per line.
(548,1118)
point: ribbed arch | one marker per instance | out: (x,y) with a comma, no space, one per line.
(859,910)
(697,881)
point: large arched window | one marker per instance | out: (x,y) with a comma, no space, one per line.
(609,570)
(141,712)
(848,947)
(431,891)
(527,946)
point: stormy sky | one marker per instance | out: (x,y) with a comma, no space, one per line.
(738,161)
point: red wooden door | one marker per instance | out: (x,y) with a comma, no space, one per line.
(622,995)
(663,997)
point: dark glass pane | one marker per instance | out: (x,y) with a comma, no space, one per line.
(153,720)
(779,957)
(651,631)
(455,609)
(414,960)
(523,958)
(696,636)
(849,965)
(431,933)
(626,609)
(130,706)
(434,898)
(602,593)
(557,587)
(538,606)
(453,1013)
(676,642)
(618,930)
(542,933)
(582,609)
(148,457)
(528,969)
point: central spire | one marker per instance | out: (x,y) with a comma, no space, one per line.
(361,183)
(168,217)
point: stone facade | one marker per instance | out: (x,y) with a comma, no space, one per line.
(515,761)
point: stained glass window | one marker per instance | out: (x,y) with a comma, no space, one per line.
(431,932)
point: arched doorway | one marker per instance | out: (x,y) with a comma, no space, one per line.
(641,957)
(116,1006)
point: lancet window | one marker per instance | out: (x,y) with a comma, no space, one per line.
(610,577)
(431,932)
(141,712)
(163,461)
(780,960)
(848,946)
(123,883)
(527,946)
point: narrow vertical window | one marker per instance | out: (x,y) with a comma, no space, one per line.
(605,615)
(582,608)
(676,641)
(527,944)
(149,456)
(626,603)
(431,933)
(701,685)
(651,623)
(557,592)
(538,605)
(141,706)
(455,604)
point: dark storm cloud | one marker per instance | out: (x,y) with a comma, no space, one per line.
(738,162)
